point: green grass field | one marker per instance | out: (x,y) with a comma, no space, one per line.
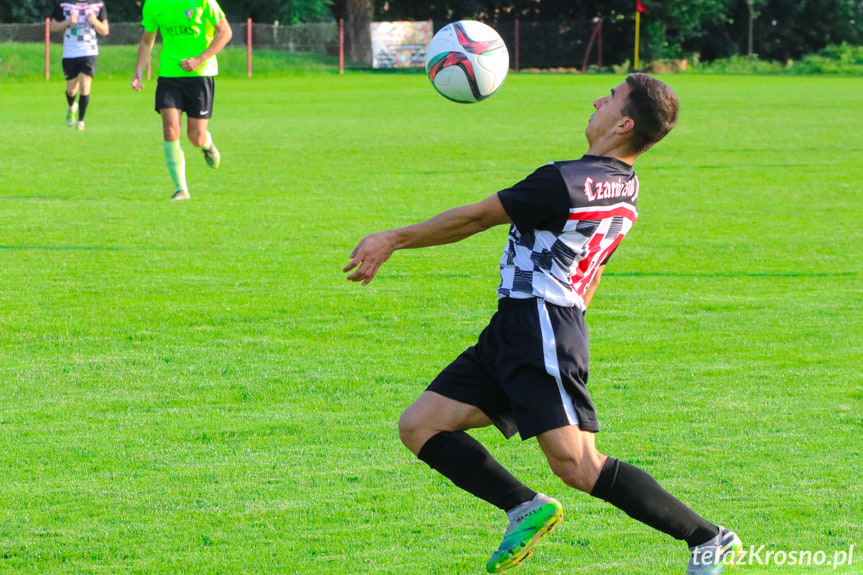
(193,387)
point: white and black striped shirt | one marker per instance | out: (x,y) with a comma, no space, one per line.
(568,219)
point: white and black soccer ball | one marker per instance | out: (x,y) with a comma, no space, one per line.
(467,61)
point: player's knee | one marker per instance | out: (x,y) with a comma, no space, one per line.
(409,430)
(198,140)
(415,429)
(171,133)
(581,474)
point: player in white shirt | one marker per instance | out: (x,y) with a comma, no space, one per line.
(80,21)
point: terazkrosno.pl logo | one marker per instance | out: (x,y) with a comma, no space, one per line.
(760,555)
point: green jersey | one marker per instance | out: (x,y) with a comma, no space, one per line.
(187,28)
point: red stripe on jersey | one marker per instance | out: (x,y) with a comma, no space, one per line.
(82,7)
(603,256)
(593,213)
(586,269)
(578,278)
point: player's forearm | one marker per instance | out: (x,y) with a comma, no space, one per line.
(101,27)
(220,40)
(60,25)
(445,228)
(448,227)
(145,48)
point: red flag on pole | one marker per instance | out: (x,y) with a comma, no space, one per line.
(640,7)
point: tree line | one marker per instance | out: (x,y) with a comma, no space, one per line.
(710,29)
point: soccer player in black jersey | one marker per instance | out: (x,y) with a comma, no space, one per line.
(528,371)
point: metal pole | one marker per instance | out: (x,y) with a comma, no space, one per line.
(249,46)
(597,33)
(47,48)
(517,40)
(600,43)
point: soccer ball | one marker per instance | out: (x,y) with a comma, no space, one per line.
(467,61)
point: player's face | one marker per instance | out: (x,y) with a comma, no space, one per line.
(608,112)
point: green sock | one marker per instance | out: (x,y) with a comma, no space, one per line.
(176,162)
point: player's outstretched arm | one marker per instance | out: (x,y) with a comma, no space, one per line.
(445,228)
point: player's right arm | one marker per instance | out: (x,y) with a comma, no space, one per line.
(59,21)
(145,48)
(445,228)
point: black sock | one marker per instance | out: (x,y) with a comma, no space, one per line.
(464,461)
(82,106)
(70,98)
(639,495)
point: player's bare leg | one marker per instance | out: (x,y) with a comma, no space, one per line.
(433,413)
(83,99)
(572,455)
(201,138)
(433,428)
(72,111)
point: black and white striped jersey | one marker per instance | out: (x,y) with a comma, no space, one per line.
(568,219)
(80,40)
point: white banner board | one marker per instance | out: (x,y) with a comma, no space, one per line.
(400,44)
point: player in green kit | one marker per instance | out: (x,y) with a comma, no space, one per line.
(193,32)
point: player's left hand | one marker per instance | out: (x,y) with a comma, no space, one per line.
(369,255)
(190,64)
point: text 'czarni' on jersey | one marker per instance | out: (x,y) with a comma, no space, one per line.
(568,219)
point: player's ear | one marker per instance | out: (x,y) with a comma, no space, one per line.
(626,124)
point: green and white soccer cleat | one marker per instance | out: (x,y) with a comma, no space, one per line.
(72,115)
(212,156)
(527,524)
(714,556)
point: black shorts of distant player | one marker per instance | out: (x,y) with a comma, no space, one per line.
(193,95)
(74,67)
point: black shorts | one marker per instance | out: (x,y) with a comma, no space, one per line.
(73,67)
(193,95)
(528,371)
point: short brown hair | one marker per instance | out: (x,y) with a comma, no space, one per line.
(653,106)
